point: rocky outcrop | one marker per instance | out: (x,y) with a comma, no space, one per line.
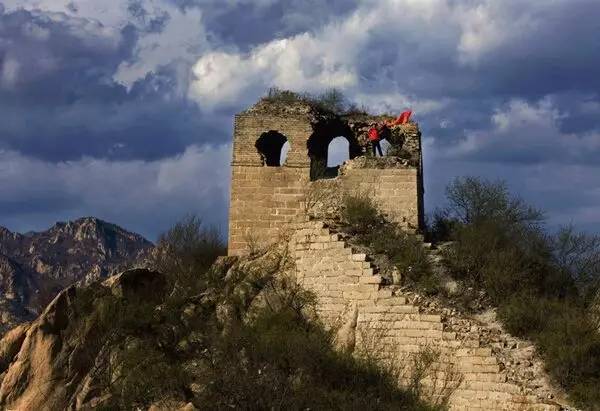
(34,267)
(44,365)
(74,355)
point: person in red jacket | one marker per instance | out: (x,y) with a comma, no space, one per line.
(374,138)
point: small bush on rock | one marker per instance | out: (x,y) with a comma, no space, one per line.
(330,100)
(186,251)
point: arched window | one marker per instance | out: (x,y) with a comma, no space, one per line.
(327,154)
(331,143)
(338,152)
(270,147)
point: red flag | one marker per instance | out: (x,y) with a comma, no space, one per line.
(403,118)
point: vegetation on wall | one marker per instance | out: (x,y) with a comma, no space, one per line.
(543,285)
(331,99)
(401,250)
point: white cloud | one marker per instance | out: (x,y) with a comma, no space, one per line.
(302,62)
(10,72)
(394,101)
(482,30)
(522,128)
(331,55)
(183,38)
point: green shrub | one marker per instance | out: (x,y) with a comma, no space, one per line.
(526,314)
(237,349)
(330,100)
(333,100)
(578,254)
(568,342)
(360,213)
(288,362)
(186,252)
(439,227)
(275,95)
(404,251)
(541,284)
(473,200)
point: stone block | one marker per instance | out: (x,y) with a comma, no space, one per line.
(368,272)
(359,257)
(370,279)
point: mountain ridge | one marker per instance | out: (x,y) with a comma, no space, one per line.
(35,266)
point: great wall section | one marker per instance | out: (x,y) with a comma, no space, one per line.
(477,365)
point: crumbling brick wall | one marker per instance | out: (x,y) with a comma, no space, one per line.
(375,317)
(395,186)
(265,198)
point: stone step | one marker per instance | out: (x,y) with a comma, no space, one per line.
(395,300)
(370,279)
(359,257)
(399,309)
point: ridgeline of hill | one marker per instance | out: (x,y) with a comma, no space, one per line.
(36,266)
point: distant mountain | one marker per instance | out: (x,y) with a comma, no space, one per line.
(35,266)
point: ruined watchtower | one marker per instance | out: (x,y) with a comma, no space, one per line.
(267,193)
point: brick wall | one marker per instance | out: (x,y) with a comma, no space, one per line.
(263,200)
(352,297)
(249,127)
(395,190)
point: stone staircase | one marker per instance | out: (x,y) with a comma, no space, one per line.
(396,327)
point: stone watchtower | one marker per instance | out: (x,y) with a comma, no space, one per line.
(267,193)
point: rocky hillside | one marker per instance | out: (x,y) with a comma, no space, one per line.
(237,336)
(55,366)
(34,267)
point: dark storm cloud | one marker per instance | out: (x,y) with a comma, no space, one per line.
(543,49)
(247,23)
(59,101)
(145,196)
(501,89)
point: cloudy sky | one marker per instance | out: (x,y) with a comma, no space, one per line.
(123,109)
